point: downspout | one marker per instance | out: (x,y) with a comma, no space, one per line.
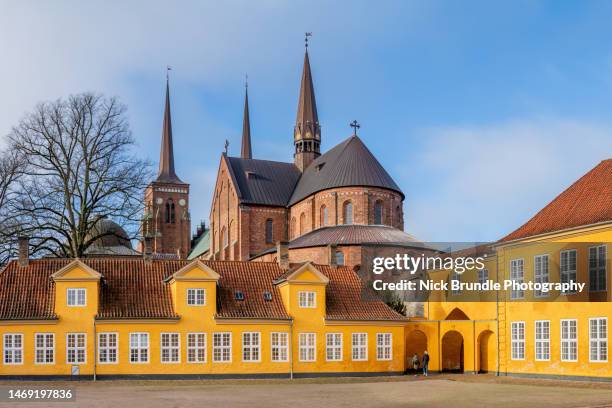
(95,349)
(497,314)
(291,350)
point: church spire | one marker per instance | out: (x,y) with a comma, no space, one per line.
(307,131)
(166,157)
(245,151)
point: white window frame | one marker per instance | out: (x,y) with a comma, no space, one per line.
(596,343)
(171,346)
(359,346)
(517,342)
(45,348)
(76,348)
(76,292)
(307,299)
(194,298)
(598,269)
(333,347)
(541,272)
(483,275)
(193,349)
(139,347)
(279,347)
(222,348)
(251,347)
(108,348)
(517,275)
(565,268)
(11,350)
(542,340)
(384,348)
(307,343)
(570,343)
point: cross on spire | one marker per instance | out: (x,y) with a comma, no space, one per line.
(306,35)
(168,69)
(355,125)
(226,146)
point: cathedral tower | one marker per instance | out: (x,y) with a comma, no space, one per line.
(307,131)
(167,221)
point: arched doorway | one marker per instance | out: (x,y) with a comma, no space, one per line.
(486,351)
(416,342)
(452,352)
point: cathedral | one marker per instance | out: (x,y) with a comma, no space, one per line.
(323,208)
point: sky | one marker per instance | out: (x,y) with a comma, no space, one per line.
(481,111)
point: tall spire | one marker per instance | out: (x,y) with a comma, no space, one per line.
(166,157)
(307,131)
(245,151)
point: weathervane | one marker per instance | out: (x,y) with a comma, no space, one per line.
(355,125)
(226,146)
(306,35)
(246,80)
(168,69)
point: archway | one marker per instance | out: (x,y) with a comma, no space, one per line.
(486,351)
(416,342)
(457,314)
(452,352)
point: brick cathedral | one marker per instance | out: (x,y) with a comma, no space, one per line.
(324,208)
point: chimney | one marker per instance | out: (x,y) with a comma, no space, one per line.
(148,248)
(331,255)
(282,254)
(24,250)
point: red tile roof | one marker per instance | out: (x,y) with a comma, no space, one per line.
(587,201)
(134,289)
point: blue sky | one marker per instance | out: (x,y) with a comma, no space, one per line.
(481,111)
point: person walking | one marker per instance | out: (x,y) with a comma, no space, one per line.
(425,363)
(415,364)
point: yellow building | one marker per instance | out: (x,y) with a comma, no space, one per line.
(531,332)
(129,316)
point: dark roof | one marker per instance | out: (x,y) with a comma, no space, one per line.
(353,235)
(350,163)
(307,105)
(263,182)
(245,149)
(132,288)
(585,202)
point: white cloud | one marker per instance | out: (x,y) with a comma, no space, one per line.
(485,181)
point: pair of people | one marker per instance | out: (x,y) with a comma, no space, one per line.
(424,362)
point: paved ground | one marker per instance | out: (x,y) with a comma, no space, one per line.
(435,391)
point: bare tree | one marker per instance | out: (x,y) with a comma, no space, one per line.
(11,168)
(79,169)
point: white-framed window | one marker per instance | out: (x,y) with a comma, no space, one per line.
(307,299)
(360,346)
(384,346)
(13,348)
(222,347)
(108,348)
(598,339)
(597,268)
(333,349)
(251,344)
(196,347)
(279,342)
(44,348)
(542,340)
(569,340)
(139,348)
(518,340)
(567,268)
(307,346)
(517,274)
(170,347)
(196,297)
(540,273)
(76,296)
(76,345)
(483,276)
(455,280)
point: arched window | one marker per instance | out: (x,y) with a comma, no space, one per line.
(170,214)
(292,227)
(378,213)
(269,231)
(223,238)
(323,215)
(302,223)
(339,258)
(347,213)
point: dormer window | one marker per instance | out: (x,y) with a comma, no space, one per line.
(307,299)
(196,297)
(238,295)
(76,297)
(267,296)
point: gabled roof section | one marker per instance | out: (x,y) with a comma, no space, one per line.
(62,274)
(263,182)
(206,272)
(350,163)
(587,201)
(293,274)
